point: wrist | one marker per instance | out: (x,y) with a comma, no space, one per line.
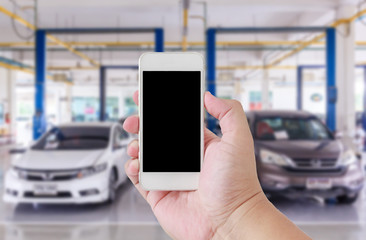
(247,211)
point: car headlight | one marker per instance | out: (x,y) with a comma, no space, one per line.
(348,157)
(19,173)
(274,158)
(92,170)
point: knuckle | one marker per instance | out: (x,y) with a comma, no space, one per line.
(236,104)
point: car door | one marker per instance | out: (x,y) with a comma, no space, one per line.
(119,149)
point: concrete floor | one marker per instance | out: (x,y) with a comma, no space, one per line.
(132,218)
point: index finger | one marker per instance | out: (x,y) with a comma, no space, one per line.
(136,97)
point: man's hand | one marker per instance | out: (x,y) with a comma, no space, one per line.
(228,189)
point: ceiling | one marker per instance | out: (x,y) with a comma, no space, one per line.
(168,14)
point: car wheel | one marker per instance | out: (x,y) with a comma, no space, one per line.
(112,186)
(347,199)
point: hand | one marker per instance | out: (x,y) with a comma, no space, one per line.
(229,202)
(228,177)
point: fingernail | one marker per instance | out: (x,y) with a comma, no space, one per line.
(134,144)
(134,164)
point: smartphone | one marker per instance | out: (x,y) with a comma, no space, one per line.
(171,89)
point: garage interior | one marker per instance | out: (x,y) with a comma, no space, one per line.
(77,62)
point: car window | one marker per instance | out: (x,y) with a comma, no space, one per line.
(281,128)
(74,138)
(119,136)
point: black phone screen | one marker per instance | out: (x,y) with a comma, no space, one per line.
(171,126)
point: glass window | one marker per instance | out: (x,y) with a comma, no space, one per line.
(281,128)
(74,138)
(119,136)
(86,109)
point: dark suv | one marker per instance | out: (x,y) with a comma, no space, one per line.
(297,155)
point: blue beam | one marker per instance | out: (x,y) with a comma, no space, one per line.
(159,47)
(299,87)
(270,29)
(211,60)
(211,70)
(299,82)
(159,40)
(121,67)
(102,87)
(102,94)
(39,119)
(331,78)
(97,30)
(364,99)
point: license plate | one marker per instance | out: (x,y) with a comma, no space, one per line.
(318,183)
(45,189)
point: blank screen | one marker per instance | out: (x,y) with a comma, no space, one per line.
(171,128)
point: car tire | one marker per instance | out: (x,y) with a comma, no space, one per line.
(347,199)
(112,186)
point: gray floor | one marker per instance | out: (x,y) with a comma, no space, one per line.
(132,218)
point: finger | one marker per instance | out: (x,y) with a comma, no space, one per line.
(209,137)
(230,113)
(133,149)
(152,197)
(132,171)
(136,97)
(131,124)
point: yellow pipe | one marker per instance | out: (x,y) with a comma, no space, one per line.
(298,49)
(68,68)
(71,49)
(50,37)
(127,44)
(17,18)
(185,29)
(21,69)
(254,67)
(262,43)
(130,44)
(17,68)
(317,38)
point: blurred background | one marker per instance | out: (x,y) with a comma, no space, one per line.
(68,70)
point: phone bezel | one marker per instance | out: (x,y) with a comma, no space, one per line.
(170,62)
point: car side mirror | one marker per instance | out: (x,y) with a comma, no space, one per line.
(17,150)
(338,135)
(120,145)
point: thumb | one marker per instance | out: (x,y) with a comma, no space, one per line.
(230,113)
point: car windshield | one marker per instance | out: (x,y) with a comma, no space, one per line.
(282,128)
(74,138)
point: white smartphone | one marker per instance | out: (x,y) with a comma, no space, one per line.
(171,89)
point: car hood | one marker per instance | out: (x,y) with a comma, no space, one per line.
(57,160)
(303,148)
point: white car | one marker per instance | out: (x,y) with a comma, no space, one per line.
(72,163)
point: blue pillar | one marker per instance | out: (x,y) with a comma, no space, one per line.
(364,100)
(159,40)
(102,94)
(299,87)
(39,118)
(211,60)
(211,71)
(331,78)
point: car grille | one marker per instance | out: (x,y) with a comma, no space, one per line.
(65,194)
(49,175)
(316,170)
(315,162)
